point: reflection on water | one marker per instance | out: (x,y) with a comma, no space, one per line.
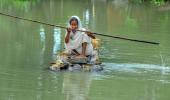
(42,38)
(120,3)
(42,43)
(57,41)
(42,34)
(132,71)
(76,86)
(86,18)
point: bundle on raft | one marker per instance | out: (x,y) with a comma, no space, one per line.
(70,62)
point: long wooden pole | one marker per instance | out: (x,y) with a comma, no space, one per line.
(123,38)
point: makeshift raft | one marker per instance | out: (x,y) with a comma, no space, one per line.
(67,62)
(71,63)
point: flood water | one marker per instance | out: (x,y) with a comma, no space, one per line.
(132,70)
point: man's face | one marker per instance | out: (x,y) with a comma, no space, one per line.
(74,24)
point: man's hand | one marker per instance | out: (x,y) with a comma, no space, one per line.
(90,34)
(69,30)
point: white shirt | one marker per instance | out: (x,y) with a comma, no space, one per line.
(76,40)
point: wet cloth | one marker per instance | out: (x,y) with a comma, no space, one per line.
(77,38)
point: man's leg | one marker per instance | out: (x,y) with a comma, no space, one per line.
(84,45)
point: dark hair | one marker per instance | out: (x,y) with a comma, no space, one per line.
(74,19)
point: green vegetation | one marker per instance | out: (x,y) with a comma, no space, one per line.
(23,5)
(155,2)
(159,2)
